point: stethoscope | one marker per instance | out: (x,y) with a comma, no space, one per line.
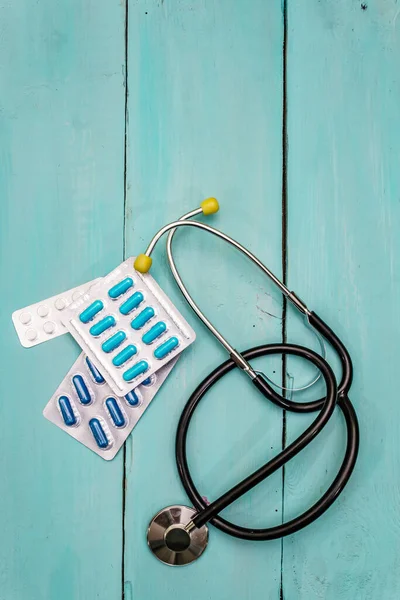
(178,535)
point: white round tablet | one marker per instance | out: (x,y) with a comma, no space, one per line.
(31,335)
(49,327)
(43,310)
(25,318)
(60,303)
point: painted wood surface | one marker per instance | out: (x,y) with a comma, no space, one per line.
(205,118)
(343,90)
(61,220)
(92,163)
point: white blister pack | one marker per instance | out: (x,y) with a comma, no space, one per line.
(41,321)
(128,327)
(85,406)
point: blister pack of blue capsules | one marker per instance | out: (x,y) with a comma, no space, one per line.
(128,327)
(86,408)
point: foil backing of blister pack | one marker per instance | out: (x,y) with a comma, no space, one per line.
(128,327)
(85,407)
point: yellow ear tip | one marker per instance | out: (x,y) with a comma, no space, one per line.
(142,263)
(210,206)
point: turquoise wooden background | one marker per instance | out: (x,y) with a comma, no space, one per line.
(115,119)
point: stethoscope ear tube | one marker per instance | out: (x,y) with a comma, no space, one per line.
(347,365)
(210,513)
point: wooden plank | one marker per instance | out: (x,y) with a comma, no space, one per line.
(205,118)
(61,224)
(343,224)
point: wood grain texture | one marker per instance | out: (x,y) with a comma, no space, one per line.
(343,222)
(61,223)
(205,118)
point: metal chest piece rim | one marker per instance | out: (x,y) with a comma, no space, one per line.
(169,540)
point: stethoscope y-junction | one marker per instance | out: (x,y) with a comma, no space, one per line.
(177,535)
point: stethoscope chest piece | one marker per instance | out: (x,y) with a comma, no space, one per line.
(171,541)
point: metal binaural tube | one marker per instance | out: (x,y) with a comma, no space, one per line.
(299,304)
(184,221)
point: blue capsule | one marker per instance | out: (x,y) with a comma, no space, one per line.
(132,398)
(67,411)
(149,381)
(91,311)
(114,341)
(166,348)
(116,413)
(124,355)
(120,288)
(81,390)
(137,369)
(131,303)
(97,376)
(98,433)
(142,318)
(155,332)
(102,326)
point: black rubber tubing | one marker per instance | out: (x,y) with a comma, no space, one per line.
(326,407)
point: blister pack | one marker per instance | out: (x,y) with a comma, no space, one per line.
(41,321)
(128,327)
(85,406)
